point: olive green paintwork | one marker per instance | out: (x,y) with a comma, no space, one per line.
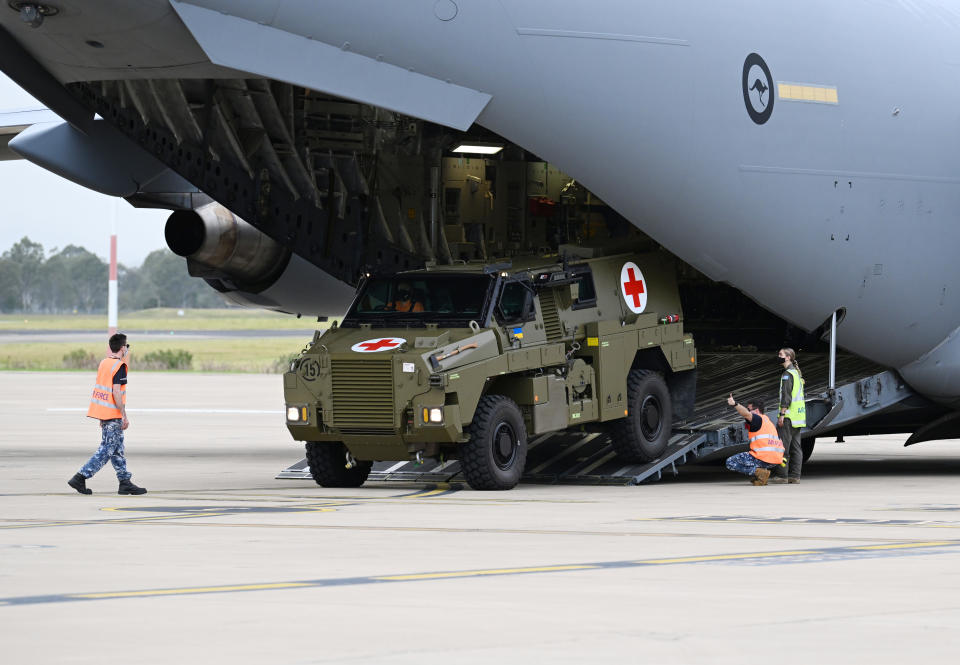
(569,368)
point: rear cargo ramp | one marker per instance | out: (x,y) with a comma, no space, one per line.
(712,431)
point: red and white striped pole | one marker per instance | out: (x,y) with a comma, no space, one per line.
(112,285)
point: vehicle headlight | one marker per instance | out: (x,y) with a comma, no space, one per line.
(296,414)
(432,415)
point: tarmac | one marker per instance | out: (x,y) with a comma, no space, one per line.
(220,562)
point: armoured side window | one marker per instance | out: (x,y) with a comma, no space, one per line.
(584,293)
(516,304)
(375,297)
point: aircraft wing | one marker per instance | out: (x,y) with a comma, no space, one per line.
(101,159)
(14,122)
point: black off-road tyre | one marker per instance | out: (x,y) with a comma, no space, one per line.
(328,466)
(494,457)
(806,445)
(644,434)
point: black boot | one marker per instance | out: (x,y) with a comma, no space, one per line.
(79,483)
(126,487)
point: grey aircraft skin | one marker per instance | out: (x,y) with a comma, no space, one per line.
(804,153)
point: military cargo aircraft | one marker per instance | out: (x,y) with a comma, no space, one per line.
(802,153)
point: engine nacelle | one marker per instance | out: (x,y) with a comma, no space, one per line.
(249,268)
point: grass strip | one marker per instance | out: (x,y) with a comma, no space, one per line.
(248,354)
(162,319)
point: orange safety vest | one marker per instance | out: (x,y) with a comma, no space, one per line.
(408,306)
(765,444)
(102,404)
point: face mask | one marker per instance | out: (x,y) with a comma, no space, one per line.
(780,360)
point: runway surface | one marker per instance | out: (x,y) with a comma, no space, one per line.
(219,562)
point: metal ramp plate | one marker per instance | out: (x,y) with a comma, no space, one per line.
(574,457)
(563,458)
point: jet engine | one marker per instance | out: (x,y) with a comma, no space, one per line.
(248,268)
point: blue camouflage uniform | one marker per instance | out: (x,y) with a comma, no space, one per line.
(111,449)
(747,464)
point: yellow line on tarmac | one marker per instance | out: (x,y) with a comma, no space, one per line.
(156,518)
(817,555)
(189,590)
(479,573)
(441,488)
(127,520)
(902,546)
(790,522)
(728,557)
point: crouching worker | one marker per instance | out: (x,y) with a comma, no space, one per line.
(766,448)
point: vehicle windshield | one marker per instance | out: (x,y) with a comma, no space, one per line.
(452,300)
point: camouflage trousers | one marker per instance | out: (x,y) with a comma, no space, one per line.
(746,464)
(111,449)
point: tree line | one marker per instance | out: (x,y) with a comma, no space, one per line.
(74,280)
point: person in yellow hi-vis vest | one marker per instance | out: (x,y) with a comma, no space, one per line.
(791,417)
(108,404)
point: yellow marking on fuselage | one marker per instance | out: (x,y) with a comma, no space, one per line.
(480,573)
(801,92)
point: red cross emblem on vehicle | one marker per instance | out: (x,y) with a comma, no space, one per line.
(634,287)
(381,344)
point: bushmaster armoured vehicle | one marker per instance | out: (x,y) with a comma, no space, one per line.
(465,361)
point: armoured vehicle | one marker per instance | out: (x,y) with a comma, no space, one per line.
(466,361)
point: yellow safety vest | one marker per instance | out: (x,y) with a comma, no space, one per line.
(797,413)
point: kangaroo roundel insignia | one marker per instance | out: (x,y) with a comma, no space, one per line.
(758,89)
(633,287)
(379,344)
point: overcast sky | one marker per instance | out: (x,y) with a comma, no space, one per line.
(55,212)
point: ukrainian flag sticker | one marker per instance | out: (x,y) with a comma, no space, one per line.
(518,333)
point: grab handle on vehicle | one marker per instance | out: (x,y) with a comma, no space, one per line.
(435,360)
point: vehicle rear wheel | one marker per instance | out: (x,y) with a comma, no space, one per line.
(644,434)
(328,465)
(494,457)
(806,445)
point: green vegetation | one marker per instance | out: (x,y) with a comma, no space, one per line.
(167,359)
(74,280)
(77,359)
(66,291)
(252,355)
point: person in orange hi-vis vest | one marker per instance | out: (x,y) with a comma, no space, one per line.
(405,301)
(766,448)
(108,404)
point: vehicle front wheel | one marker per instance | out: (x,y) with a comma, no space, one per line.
(806,445)
(644,434)
(328,465)
(494,457)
